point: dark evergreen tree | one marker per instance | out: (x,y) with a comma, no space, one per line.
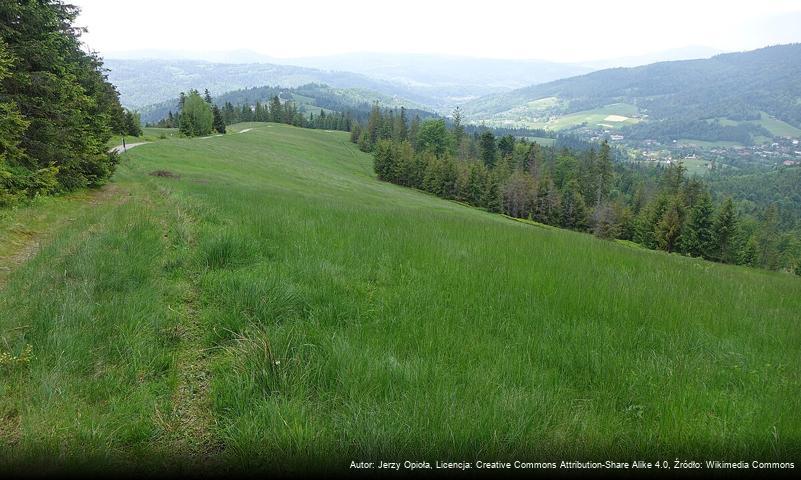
(574,210)
(697,238)
(218,123)
(489,150)
(724,233)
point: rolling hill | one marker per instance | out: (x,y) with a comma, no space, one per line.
(436,81)
(259,300)
(310,98)
(146,82)
(735,96)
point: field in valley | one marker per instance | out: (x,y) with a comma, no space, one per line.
(258,300)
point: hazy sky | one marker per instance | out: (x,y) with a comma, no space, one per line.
(559,30)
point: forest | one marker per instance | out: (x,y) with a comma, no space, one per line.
(678,97)
(57,108)
(582,190)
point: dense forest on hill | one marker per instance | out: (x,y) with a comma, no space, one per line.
(754,192)
(309,98)
(57,109)
(678,97)
(584,190)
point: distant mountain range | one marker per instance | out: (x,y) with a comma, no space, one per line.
(434,81)
(146,82)
(439,82)
(735,96)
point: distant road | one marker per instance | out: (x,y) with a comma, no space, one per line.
(121,149)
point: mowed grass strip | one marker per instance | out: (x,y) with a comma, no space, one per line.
(343,318)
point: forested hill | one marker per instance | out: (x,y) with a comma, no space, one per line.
(147,82)
(675,96)
(309,98)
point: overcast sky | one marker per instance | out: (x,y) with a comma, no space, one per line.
(558,30)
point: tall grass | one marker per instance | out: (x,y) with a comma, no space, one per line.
(344,318)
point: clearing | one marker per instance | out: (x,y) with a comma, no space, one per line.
(270,304)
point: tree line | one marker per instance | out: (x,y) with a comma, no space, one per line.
(192,120)
(57,108)
(583,190)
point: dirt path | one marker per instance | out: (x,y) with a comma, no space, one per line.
(191,423)
(128,146)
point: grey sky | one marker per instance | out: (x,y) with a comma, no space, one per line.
(558,30)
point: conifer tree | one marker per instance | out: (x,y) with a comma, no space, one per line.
(458,128)
(489,149)
(217,119)
(574,210)
(724,233)
(668,230)
(603,173)
(547,205)
(697,238)
(414,129)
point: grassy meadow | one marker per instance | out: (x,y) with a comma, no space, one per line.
(265,301)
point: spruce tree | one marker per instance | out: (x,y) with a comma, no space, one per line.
(458,128)
(748,256)
(603,173)
(489,149)
(724,233)
(668,230)
(218,123)
(491,196)
(57,109)
(697,239)
(574,210)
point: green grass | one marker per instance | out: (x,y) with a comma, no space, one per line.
(530,116)
(776,127)
(278,307)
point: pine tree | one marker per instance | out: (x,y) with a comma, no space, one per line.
(697,238)
(458,128)
(547,205)
(749,254)
(217,119)
(489,149)
(574,210)
(276,110)
(374,124)
(668,230)
(491,197)
(724,233)
(57,110)
(414,129)
(603,173)
(475,184)
(384,160)
(207,96)
(132,125)
(647,222)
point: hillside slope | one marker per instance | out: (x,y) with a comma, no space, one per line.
(260,300)
(309,98)
(147,82)
(674,96)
